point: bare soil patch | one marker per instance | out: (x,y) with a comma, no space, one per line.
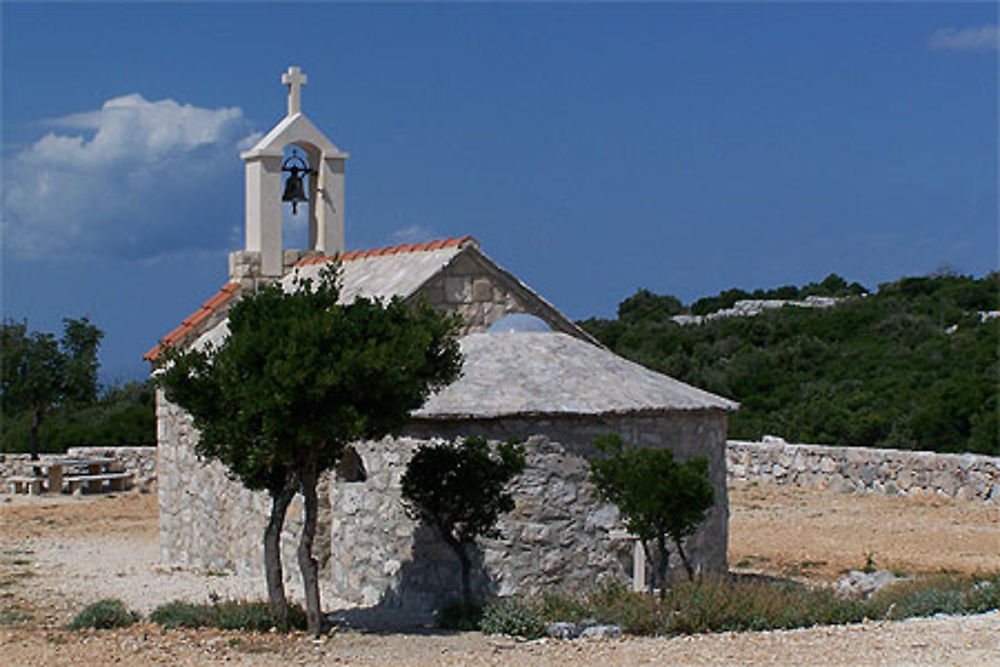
(58,554)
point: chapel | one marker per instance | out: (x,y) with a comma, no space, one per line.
(529,372)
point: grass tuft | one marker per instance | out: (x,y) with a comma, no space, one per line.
(104,615)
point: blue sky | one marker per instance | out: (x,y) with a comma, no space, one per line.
(592,149)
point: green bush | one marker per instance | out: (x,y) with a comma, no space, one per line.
(512,617)
(714,604)
(228,615)
(945,593)
(103,615)
(456,615)
(635,613)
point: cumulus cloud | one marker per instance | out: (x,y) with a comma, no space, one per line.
(135,179)
(975,38)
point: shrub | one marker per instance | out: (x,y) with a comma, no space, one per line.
(635,613)
(456,615)
(103,615)
(228,615)
(512,617)
(945,593)
(714,604)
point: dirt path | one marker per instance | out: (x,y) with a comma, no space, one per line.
(60,554)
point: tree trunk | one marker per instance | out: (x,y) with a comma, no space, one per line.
(466,565)
(308,564)
(272,551)
(663,564)
(36,425)
(684,559)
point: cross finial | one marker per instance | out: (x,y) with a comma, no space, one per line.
(294,79)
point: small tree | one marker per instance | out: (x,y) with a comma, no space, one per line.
(658,497)
(38,373)
(298,378)
(459,489)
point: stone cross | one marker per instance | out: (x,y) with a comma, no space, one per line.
(294,79)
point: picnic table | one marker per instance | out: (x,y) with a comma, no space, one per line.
(73,473)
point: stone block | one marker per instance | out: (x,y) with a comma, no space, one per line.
(457,289)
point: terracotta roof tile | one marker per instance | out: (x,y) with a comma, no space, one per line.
(227,291)
(192,321)
(390,250)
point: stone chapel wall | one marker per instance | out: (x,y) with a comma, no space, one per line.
(372,554)
(481,296)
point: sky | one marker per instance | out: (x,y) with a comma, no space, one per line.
(592,149)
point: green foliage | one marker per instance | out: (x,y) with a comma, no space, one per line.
(227,615)
(460,490)
(300,376)
(946,593)
(511,616)
(736,605)
(123,415)
(657,496)
(457,615)
(38,373)
(879,370)
(104,615)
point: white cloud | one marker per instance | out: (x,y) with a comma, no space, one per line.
(137,179)
(975,38)
(412,234)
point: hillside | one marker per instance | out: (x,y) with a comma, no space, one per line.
(913,365)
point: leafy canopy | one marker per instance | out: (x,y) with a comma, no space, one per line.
(913,366)
(300,376)
(459,488)
(656,495)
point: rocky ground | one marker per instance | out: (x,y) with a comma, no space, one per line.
(59,554)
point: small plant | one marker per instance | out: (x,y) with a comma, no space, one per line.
(512,617)
(869,565)
(456,615)
(228,615)
(103,615)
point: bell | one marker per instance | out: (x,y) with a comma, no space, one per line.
(295,191)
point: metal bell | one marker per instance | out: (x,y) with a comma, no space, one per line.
(295,191)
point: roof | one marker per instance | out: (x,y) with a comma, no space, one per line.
(398,270)
(508,374)
(193,321)
(387,272)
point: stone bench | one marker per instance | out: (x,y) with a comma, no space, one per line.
(28,484)
(117,481)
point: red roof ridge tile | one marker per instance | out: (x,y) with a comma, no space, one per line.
(192,321)
(402,248)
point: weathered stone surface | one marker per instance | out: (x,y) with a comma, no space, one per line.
(865,470)
(559,534)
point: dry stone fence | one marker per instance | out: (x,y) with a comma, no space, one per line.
(865,469)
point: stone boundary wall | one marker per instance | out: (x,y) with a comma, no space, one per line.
(865,470)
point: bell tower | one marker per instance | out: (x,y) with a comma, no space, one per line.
(263,257)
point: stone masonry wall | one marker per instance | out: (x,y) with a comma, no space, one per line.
(372,554)
(866,470)
(482,295)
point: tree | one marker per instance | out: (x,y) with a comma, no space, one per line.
(38,373)
(459,490)
(298,378)
(658,497)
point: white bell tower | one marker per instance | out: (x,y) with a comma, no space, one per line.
(264,258)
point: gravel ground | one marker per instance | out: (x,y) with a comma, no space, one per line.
(58,554)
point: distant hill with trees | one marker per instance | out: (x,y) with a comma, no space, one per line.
(912,365)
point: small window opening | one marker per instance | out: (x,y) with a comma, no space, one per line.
(351,468)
